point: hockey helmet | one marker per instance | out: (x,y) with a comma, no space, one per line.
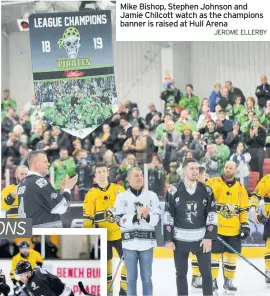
(22,267)
(24,244)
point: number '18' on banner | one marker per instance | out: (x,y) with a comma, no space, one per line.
(72,60)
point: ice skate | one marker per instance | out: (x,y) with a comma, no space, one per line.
(215,287)
(229,288)
(196,284)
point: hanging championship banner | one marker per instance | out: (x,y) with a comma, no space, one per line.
(72,60)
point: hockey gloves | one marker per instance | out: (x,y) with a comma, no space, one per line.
(244,231)
(262,219)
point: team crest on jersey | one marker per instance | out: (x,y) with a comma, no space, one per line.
(109,215)
(54,195)
(227,211)
(41,182)
(172,190)
(34,286)
(209,190)
(205,202)
(177,199)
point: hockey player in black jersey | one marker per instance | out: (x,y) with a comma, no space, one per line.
(39,282)
(4,288)
(190,225)
(37,197)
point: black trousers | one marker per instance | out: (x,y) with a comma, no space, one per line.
(181,265)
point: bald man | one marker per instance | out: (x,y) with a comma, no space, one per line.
(9,195)
(232,208)
(263,92)
(37,197)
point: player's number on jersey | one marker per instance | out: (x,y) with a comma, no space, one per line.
(21,212)
(46,46)
(98,43)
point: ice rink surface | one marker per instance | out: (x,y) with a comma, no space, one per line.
(248,281)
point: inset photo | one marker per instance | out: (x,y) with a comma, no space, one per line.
(53,264)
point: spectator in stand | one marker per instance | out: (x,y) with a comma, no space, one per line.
(251,105)
(136,145)
(24,152)
(36,136)
(185,119)
(242,159)
(151,114)
(85,171)
(204,103)
(246,125)
(189,144)
(255,139)
(212,162)
(265,121)
(10,148)
(107,136)
(124,167)
(7,101)
(161,128)
(65,166)
(221,148)
(135,120)
(208,133)
(77,145)
(44,144)
(8,123)
(171,95)
(172,177)
(156,177)
(123,132)
(10,167)
(110,161)
(98,151)
(18,132)
(226,102)
(169,145)
(25,123)
(234,92)
(234,137)
(190,102)
(225,125)
(153,124)
(204,117)
(214,96)
(263,92)
(215,115)
(58,140)
(150,146)
(239,110)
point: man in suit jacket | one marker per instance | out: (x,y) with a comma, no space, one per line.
(263,92)
(234,92)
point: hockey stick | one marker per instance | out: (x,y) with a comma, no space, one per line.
(244,258)
(115,274)
(81,286)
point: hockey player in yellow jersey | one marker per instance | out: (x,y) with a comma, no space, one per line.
(232,210)
(98,212)
(262,193)
(25,254)
(9,197)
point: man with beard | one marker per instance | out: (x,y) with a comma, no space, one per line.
(190,225)
(232,211)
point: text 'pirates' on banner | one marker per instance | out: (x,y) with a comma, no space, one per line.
(73,70)
(193,20)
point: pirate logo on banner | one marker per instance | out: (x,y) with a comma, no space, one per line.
(73,69)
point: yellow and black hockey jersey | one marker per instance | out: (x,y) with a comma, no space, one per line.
(9,203)
(262,192)
(232,205)
(34,258)
(98,209)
